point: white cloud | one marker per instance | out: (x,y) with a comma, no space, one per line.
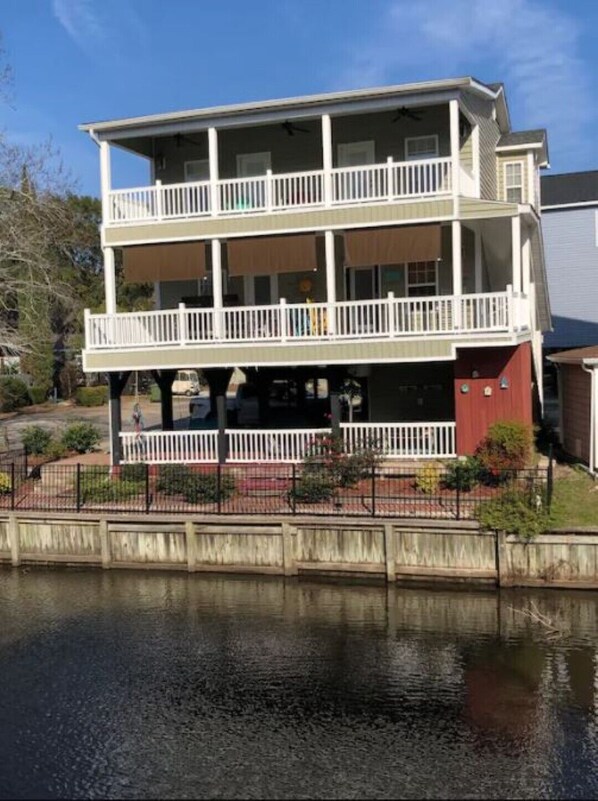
(79,20)
(530,45)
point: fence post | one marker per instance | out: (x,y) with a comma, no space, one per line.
(458,477)
(147,488)
(26,465)
(219,486)
(373,490)
(13,536)
(78,486)
(549,480)
(294,489)
(12,485)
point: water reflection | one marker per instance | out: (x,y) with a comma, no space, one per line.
(136,685)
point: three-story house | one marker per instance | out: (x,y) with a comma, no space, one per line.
(390,237)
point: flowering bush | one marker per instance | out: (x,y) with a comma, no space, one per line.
(506,447)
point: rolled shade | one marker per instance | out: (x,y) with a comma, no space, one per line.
(398,245)
(178,261)
(272,254)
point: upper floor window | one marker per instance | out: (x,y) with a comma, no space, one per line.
(422,278)
(197,170)
(421,147)
(514,181)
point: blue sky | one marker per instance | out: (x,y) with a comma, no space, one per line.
(82,60)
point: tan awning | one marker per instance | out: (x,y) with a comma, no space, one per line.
(172,262)
(272,254)
(398,245)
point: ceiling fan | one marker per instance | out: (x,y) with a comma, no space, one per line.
(407,112)
(292,129)
(180,138)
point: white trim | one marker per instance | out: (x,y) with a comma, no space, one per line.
(508,163)
(265,155)
(477,160)
(581,204)
(531,185)
(507,148)
(418,157)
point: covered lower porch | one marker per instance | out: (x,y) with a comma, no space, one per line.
(403,411)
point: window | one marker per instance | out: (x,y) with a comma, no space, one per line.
(251,165)
(422,279)
(356,154)
(421,147)
(514,181)
(197,170)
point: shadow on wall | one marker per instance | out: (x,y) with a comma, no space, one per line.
(571,333)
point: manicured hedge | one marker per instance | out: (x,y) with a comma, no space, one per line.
(92,396)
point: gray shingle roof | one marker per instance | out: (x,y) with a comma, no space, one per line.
(570,188)
(516,138)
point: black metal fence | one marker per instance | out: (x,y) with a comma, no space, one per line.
(427,492)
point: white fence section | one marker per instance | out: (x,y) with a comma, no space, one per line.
(393,440)
(402,440)
(392,180)
(492,312)
(282,445)
(166,447)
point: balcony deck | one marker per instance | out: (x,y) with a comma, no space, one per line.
(442,316)
(275,193)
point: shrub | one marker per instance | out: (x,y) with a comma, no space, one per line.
(55,450)
(506,446)
(38,394)
(515,511)
(154,393)
(172,479)
(91,396)
(5,484)
(133,472)
(427,479)
(203,487)
(463,474)
(36,439)
(313,488)
(98,486)
(328,457)
(14,394)
(81,437)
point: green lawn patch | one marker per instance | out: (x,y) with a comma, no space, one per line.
(575,500)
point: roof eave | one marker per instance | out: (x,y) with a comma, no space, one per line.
(276,106)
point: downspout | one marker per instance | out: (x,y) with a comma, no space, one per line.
(593,400)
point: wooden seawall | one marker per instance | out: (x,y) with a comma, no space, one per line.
(392,550)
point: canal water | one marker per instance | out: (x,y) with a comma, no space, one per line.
(138,685)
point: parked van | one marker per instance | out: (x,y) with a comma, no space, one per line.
(186,382)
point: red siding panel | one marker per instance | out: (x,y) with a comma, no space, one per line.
(475,411)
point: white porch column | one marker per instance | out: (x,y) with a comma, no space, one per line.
(455,158)
(516,248)
(105,180)
(330,280)
(477,244)
(457,272)
(214,170)
(526,266)
(327,157)
(109,281)
(217,285)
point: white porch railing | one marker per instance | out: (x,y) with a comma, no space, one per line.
(165,447)
(392,181)
(391,317)
(284,445)
(402,440)
(394,440)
